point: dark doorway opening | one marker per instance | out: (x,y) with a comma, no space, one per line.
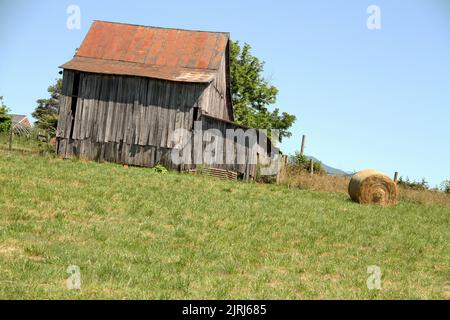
(194,117)
(73,104)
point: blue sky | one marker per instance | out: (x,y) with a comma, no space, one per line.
(365,98)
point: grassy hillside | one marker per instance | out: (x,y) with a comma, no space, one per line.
(139,234)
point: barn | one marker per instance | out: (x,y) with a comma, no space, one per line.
(130,88)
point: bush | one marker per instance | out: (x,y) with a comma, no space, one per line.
(5,118)
(411,184)
(446,186)
(304,163)
(5,126)
(160,169)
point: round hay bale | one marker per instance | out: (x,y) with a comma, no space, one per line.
(370,186)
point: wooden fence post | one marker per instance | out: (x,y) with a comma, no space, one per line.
(302,150)
(10,140)
(312,166)
(395,176)
(278,170)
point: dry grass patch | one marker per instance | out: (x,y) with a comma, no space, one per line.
(294,178)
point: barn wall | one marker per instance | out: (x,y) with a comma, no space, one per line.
(131,120)
(132,110)
(133,117)
(213,101)
(247,169)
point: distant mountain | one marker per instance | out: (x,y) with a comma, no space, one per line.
(331,170)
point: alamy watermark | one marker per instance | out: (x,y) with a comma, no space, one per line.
(74,280)
(374,20)
(73,21)
(232,147)
(374,280)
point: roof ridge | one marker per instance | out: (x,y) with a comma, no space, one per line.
(165,28)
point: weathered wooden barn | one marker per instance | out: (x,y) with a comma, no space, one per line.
(129,87)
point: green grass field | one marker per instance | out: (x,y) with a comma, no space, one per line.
(136,234)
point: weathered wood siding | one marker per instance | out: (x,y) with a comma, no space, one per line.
(131,120)
(219,136)
(132,110)
(123,119)
(214,100)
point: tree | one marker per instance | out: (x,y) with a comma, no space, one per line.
(304,163)
(5,118)
(46,111)
(445,186)
(252,94)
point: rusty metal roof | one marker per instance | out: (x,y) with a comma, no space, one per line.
(170,54)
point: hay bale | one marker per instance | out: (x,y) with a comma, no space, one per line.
(370,186)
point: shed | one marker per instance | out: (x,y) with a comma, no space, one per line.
(129,88)
(20,124)
(18,120)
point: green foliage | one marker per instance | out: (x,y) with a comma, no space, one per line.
(252,94)
(445,186)
(304,163)
(300,159)
(159,168)
(5,118)
(269,179)
(46,111)
(411,184)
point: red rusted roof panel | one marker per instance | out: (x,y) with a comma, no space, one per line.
(155,49)
(205,57)
(170,54)
(138,47)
